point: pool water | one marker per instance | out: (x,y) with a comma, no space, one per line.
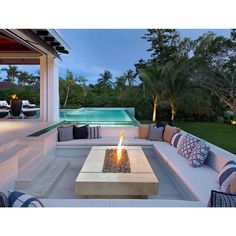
(99,116)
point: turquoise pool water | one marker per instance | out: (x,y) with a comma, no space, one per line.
(99,116)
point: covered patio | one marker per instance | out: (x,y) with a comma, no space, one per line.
(41,47)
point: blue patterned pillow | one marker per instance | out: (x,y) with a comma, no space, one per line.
(18,199)
(187,145)
(226,175)
(199,154)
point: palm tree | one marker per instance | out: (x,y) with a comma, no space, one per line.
(120,83)
(12,72)
(105,79)
(130,77)
(174,78)
(151,77)
(69,82)
(81,81)
(23,77)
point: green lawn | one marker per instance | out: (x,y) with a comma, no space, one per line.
(218,133)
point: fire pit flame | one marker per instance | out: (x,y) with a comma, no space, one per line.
(120,147)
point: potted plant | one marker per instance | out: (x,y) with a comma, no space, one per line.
(16,105)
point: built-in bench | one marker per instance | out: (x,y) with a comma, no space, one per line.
(197,182)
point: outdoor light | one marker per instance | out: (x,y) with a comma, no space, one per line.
(13,96)
(233,122)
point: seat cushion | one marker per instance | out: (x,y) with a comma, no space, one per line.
(193,178)
(113,141)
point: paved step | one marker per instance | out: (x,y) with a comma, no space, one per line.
(28,178)
(28,160)
(48,181)
(14,152)
(6,146)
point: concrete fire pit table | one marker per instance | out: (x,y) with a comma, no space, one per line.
(93,183)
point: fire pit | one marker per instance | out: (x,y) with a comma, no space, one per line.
(105,175)
(117,160)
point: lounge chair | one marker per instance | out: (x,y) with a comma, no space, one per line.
(4,113)
(30,112)
(27,104)
(4,105)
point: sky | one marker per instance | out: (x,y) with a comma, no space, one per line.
(94,50)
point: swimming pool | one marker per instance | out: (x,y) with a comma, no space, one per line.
(100,116)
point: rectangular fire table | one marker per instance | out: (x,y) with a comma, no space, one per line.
(93,183)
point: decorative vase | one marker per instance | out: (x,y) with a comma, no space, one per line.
(16,107)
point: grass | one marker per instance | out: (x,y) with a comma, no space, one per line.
(218,133)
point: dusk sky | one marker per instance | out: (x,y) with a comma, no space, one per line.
(93,51)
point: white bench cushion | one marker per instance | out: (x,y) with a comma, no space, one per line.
(200,181)
(105,141)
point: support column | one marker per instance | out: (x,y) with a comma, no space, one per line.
(49,89)
(43,88)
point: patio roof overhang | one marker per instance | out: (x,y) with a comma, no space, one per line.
(25,46)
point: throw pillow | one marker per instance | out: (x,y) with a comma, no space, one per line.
(168,133)
(80,132)
(3,200)
(199,154)
(187,145)
(143,131)
(155,134)
(221,199)
(65,133)
(94,132)
(18,199)
(233,185)
(226,175)
(176,139)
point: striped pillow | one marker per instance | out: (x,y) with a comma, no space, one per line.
(94,132)
(219,199)
(18,199)
(176,139)
(3,200)
(226,175)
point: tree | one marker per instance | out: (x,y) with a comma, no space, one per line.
(105,79)
(175,81)
(151,77)
(120,83)
(130,77)
(222,82)
(81,81)
(215,66)
(23,77)
(12,72)
(69,82)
